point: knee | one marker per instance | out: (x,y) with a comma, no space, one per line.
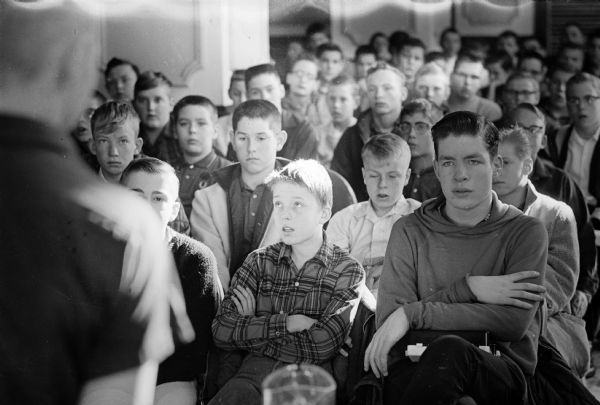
(448,347)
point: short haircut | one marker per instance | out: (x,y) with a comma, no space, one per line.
(519,138)
(449,30)
(523,76)
(461,123)
(509,33)
(317,27)
(583,77)
(570,45)
(412,42)
(396,40)
(527,107)
(345,80)
(114,62)
(328,47)
(365,50)
(531,55)
(237,76)
(195,100)
(150,165)
(112,115)
(503,58)
(375,36)
(305,57)
(257,109)
(386,146)
(386,66)
(433,56)
(432,68)
(309,174)
(263,69)
(150,80)
(467,57)
(423,106)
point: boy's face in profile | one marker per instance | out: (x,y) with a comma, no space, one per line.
(298,213)
(465,171)
(256,145)
(331,63)
(115,150)
(120,82)
(159,189)
(341,102)
(154,106)
(195,130)
(514,170)
(237,92)
(385,178)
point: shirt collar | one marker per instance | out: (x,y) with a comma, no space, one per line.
(202,163)
(323,255)
(367,210)
(593,138)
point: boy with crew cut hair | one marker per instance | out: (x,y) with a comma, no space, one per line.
(410,58)
(115,142)
(153,103)
(195,128)
(263,82)
(364,228)
(233,216)
(291,302)
(156,182)
(331,62)
(427,280)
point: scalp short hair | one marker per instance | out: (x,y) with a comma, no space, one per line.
(328,47)
(150,165)
(502,57)
(449,30)
(413,42)
(195,100)
(423,106)
(531,55)
(467,57)
(365,50)
(518,75)
(519,138)
(461,123)
(306,57)
(396,40)
(385,146)
(583,77)
(150,80)
(237,76)
(112,115)
(257,109)
(345,80)
(431,68)
(386,66)
(309,174)
(114,62)
(527,107)
(508,33)
(317,27)
(263,69)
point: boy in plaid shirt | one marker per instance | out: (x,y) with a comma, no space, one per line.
(291,302)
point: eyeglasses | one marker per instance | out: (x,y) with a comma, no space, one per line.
(516,93)
(304,75)
(587,100)
(420,128)
(534,129)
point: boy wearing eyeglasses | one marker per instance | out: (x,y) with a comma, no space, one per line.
(576,147)
(363,229)
(416,120)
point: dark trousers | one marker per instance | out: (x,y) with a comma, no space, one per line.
(450,369)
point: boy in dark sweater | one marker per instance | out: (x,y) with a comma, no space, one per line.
(427,280)
(156,182)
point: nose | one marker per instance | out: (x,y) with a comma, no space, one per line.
(120,84)
(460,172)
(251,144)
(151,105)
(193,128)
(383,183)
(428,93)
(112,149)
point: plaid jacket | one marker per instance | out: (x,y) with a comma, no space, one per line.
(326,288)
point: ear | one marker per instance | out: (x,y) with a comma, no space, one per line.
(325,215)
(527,166)
(497,165)
(92,145)
(138,145)
(281,137)
(171,104)
(175,210)
(231,133)
(364,174)
(287,78)
(407,177)
(544,141)
(436,168)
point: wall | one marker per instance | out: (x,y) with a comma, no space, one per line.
(196,43)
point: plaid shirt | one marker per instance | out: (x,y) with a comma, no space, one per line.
(326,288)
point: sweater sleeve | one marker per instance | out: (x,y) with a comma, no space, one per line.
(398,287)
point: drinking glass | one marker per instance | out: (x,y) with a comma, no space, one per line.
(299,384)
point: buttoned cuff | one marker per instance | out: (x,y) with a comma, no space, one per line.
(276,327)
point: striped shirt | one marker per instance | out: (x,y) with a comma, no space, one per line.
(326,288)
